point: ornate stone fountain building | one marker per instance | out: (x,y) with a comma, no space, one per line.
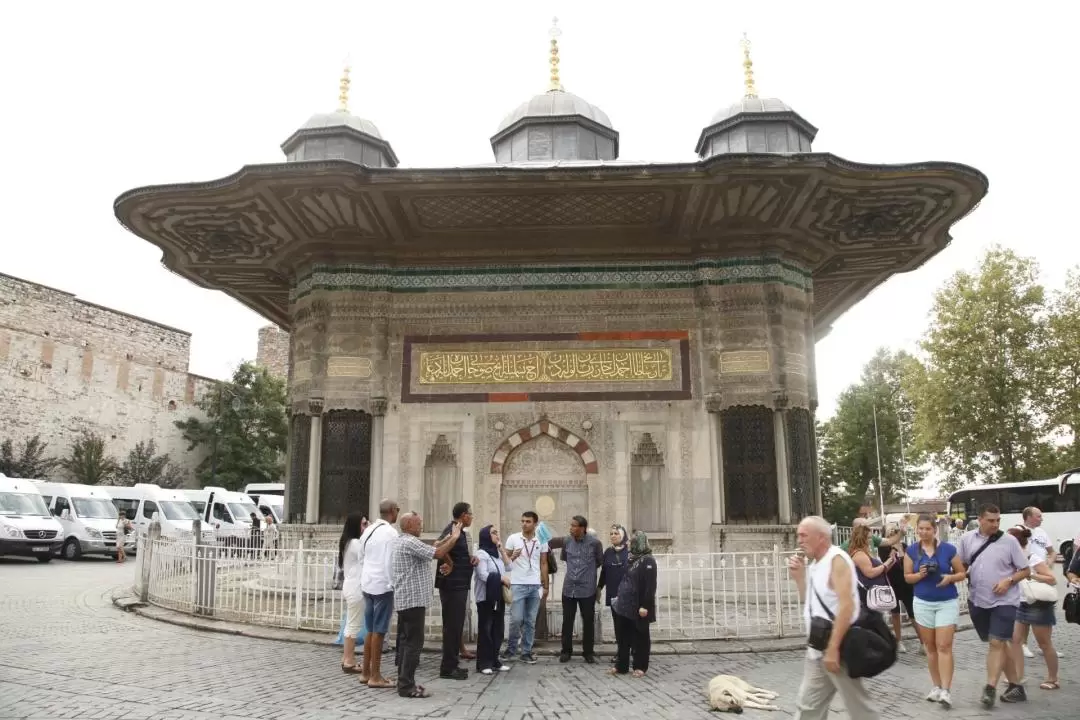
(560,330)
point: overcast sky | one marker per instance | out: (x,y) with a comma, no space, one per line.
(102,97)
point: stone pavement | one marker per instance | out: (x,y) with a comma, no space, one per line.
(68,653)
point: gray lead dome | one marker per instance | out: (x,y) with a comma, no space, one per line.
(756,125)
(556,125)
(339,136)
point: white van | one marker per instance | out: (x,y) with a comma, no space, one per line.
(258,490)
(26,527)
(230,514)
(142,501)
(88,516)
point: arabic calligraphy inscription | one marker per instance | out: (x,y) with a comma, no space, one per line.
(545,366)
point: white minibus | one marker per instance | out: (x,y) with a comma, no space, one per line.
(142,502)
(88,516)
(26,527)
(230,514)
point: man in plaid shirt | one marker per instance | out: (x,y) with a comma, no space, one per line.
(413,576)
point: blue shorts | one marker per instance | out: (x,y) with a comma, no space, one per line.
(378,609)
(934,614)
(994,623)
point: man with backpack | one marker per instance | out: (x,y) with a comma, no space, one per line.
(995,566)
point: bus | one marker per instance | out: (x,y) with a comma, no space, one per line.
(1059,500)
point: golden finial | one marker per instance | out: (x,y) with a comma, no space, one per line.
(554,34)
(748,68)
(343,89)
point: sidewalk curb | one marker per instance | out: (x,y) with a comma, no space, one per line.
(123,600)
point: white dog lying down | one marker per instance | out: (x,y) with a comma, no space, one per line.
(728,693)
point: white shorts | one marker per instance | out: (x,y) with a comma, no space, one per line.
(354,617)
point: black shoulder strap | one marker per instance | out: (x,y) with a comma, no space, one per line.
(810,579)
(989,541)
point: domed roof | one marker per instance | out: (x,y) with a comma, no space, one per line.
(750,105)
(341,118)
(555,104)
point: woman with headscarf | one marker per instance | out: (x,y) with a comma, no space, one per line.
(492,575)
(612,570)
(635,608)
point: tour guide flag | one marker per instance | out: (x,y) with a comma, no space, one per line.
(544,533)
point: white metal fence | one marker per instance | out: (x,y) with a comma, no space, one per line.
(699,596)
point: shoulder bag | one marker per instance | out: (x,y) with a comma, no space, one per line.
(1034,592)
(1071,606)
(989,541)
(880,598)
(868,648)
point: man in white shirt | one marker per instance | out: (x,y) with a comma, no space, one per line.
(1041,546)
(828,585)
(378,588)
(528,585)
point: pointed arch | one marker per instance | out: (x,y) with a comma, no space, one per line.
(544,427)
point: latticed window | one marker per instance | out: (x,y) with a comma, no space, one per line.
(299,449)
(346,465)
(800,437)
(749,451)
(442,483)
(648,506)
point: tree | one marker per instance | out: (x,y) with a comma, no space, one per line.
(144,465)
(245,430)
(1062,366)
(847,449)
(979,409)
(88,463)
(29,461)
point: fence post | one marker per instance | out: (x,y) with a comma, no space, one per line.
(299,584)
(152,536)
(778,589)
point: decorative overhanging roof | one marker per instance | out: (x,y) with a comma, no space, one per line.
(852,225)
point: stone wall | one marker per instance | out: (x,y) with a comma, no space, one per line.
(67,365)
(273,353)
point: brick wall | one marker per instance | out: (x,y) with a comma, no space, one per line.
(67,365)
(273,353)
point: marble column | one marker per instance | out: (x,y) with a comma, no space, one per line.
(820,509)
(716,459)
(375,492)
(783,481)
(315,406)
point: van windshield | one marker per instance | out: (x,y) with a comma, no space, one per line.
(242,510)
(178,510)
(96,508)
(12,503)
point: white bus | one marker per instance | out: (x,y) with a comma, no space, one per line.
(1059,500)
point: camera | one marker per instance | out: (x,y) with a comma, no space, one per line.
(931,567)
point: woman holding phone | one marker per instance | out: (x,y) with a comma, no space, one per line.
(934,568)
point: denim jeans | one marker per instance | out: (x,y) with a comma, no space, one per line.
(526,603)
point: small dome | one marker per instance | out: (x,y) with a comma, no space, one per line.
(750,105)
(341,119)
(556,104)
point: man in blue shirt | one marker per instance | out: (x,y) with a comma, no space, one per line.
(582,556)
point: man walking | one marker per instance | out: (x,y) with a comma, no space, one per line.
(582,556)
(528,584)
(996,564)
(1041,546)
(453,581)
(830,592)
(412,577)
(375,573)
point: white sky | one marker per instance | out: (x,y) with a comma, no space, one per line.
(102,97)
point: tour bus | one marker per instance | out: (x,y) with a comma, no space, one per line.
(88,516)
(142,502)
(1059,500)
(230,514)
(26,527)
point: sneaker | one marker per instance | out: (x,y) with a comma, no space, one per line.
(487,671)
(528,659)
(1014,694)
(503,668)
(456,674)
(564,658)
(945,699)
(1028,653)
(507,655)
(901,647)
(934,695)
(989,695)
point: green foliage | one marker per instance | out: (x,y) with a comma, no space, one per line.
(88,462)
(847,451)
(980,409)
(144,465)
(245,430)
(29,461)
(1061,371)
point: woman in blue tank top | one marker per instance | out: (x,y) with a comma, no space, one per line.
(934,568)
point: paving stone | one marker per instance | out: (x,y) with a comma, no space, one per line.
(69,653)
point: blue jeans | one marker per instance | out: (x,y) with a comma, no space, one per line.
(523,610)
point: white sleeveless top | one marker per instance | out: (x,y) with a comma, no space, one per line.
(817,578)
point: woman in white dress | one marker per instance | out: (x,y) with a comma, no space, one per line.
(349,562)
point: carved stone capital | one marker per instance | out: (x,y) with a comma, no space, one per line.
(780,400)
(378,406)
(714,403)
(315,406)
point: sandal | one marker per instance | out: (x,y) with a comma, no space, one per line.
(614,671)
(639,673)
(468,655)
(1050,685)
(384,683)
(351,669)
(417,692)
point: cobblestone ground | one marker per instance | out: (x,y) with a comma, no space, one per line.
(68,653)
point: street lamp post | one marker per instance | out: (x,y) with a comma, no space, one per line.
(877,448)
(903,462)
(235,405)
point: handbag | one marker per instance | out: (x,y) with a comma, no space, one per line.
(1033,592)
(1071,606)
(881,598)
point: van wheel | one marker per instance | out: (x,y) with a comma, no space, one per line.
(44,558)
(72,551)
